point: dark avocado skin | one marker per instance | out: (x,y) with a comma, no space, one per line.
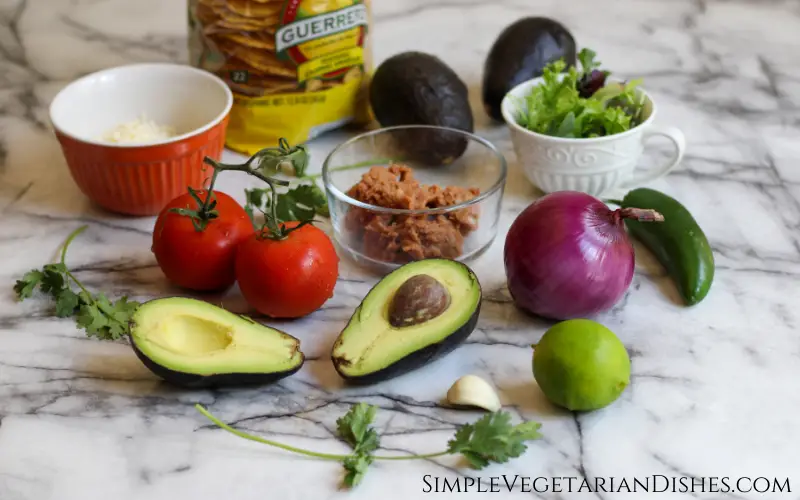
(520,53)
(678,243)
(417,359)
(414,88)
(193,381)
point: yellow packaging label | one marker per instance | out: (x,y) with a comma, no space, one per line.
(297,68)
(315,68)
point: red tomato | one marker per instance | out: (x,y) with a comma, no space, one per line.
(287,278)
(200,260)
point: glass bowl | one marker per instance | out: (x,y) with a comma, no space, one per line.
(383,218)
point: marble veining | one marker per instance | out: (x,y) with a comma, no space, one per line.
(714,390)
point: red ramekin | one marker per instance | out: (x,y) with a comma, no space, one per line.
(140,179)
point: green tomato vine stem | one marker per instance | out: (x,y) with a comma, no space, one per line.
(272,229)
(244,167)
(204,209)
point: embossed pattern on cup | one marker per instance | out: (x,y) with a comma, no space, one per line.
(593,169)
(595,166)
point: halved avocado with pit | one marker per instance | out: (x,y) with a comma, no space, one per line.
(416,314)
(191,343)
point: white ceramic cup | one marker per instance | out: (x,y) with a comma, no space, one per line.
(597,166)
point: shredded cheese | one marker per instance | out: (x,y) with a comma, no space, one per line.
(139,131)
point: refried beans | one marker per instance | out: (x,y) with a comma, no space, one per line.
(404,238)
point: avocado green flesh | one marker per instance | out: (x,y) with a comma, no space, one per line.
(192,336)
(369,343)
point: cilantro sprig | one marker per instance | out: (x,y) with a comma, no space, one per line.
(578,103)
(491,439)
(94,312)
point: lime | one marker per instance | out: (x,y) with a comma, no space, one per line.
(581,365)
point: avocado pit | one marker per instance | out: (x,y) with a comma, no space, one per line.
(419,299)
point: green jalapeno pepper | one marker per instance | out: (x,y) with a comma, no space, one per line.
(678,243)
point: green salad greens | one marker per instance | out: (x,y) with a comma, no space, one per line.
(579,103)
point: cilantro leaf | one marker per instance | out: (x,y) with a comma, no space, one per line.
(355,428)
(527,431)
(67,302)
(124,309)
(106,320)
(460,444)
(53,279)
(300,203)
(25,287)
(288,209)
(312,196)
(355,467)
(92,320)
(492,439)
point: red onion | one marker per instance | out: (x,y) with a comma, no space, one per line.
(568,256)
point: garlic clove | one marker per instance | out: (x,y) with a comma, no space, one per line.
(471,390)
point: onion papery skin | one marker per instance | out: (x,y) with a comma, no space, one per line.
(567,256)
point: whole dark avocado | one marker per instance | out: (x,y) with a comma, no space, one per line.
(415,88)
(520,53)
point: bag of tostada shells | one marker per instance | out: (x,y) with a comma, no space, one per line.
(297,68)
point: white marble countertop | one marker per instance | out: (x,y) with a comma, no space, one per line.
(714,387)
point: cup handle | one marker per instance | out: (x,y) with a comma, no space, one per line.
(678,140)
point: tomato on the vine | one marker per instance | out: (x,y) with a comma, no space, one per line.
(289,276)
(195,246)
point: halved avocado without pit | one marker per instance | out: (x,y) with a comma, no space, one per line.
(192,343)
(416,314)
